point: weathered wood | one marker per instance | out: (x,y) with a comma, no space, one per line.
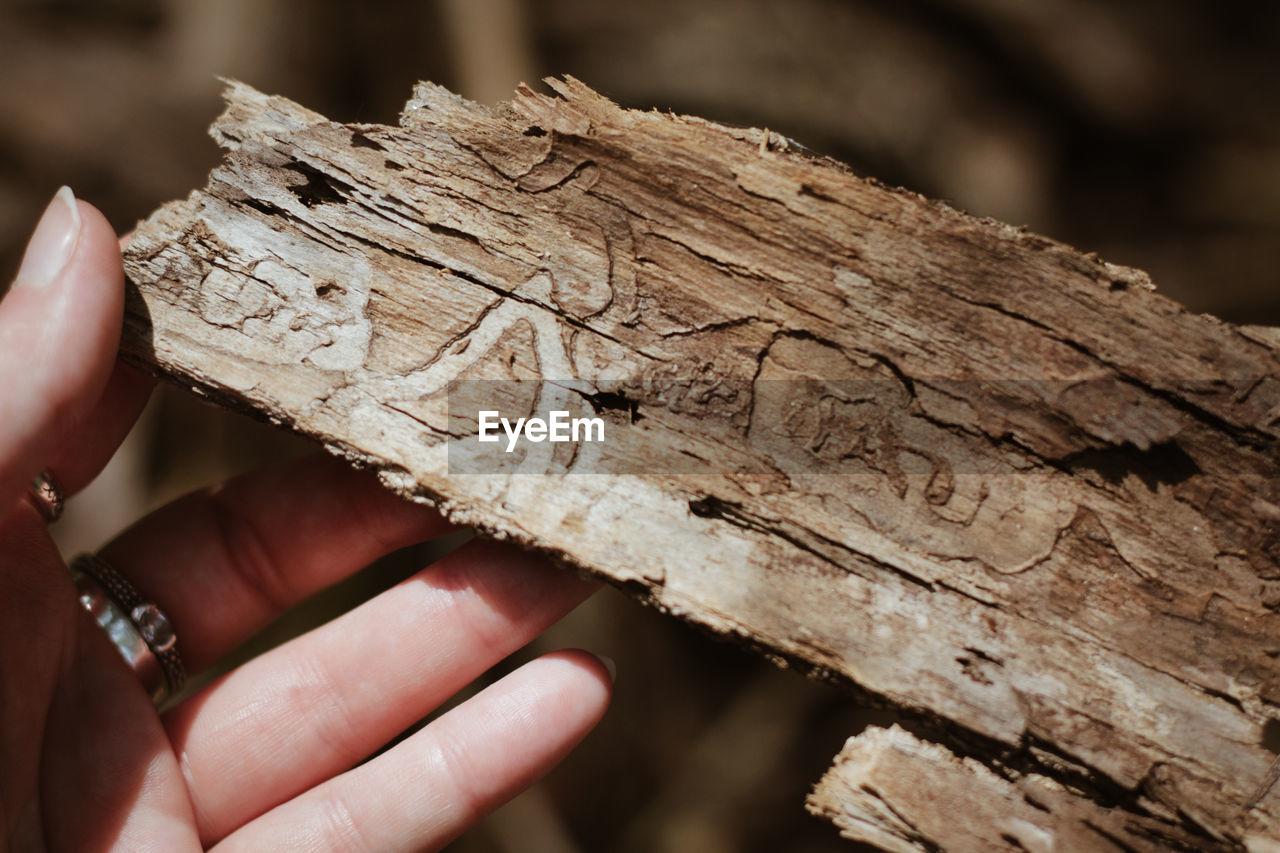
(904,795)
(992,481)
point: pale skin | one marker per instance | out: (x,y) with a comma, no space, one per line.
(263,758)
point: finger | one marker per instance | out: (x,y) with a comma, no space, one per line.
(223,562)
(316,706)
(59,329)
(85,760)
(427,790)
(36,617)
(108,774)
(85,451)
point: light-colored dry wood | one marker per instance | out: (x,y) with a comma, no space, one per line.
(905,795)
(989,480)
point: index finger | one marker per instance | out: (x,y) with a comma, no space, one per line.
(59,328)
(223,562)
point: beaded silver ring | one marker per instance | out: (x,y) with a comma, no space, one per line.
(139,629)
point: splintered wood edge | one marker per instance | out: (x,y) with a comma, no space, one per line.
(893,790)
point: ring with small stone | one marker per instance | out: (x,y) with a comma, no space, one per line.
(138,628)
(47,496)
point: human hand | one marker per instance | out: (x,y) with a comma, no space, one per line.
(264,757)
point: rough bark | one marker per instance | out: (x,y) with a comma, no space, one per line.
(987,479)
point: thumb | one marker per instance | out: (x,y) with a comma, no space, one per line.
(59,330)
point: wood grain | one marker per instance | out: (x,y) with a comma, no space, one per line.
(999,484)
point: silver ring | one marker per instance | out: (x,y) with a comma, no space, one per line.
(46,496)
(140,631)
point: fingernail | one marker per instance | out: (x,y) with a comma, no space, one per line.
(609,665)
(52,244)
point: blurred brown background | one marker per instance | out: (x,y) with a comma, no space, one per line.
(1148,131)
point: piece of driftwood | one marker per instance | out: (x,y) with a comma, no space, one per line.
(989,480)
